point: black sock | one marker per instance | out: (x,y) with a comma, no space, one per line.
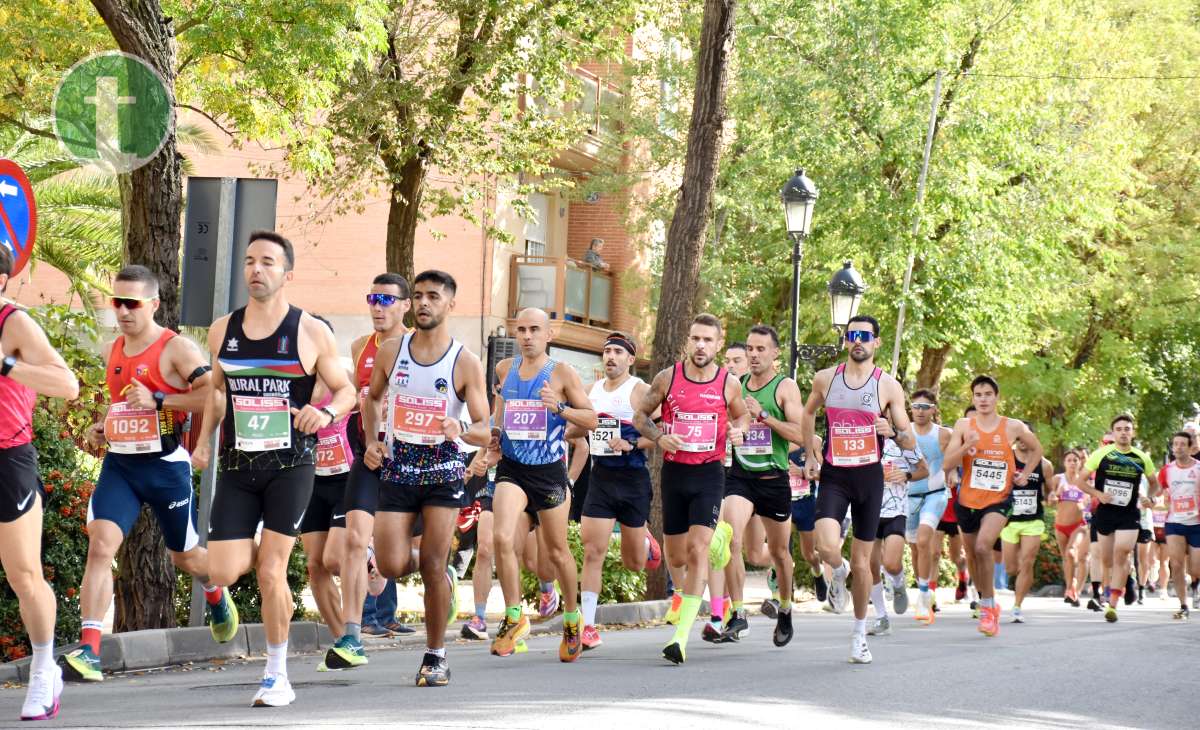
(1096,589)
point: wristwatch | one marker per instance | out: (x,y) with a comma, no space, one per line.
(329,412)
(159,399)
(8,364)
(762,416)
(562,406)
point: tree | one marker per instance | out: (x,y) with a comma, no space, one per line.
(478,91)
(689,224)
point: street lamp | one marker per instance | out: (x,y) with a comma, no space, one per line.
(845,288)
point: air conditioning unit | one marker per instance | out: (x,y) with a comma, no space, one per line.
(499,348)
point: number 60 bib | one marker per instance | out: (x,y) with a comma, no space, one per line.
(261,424)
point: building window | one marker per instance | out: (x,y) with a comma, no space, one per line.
(537,229)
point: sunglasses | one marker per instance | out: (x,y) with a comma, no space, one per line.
(860,336)
(383,300)
(923,406)
(130,303)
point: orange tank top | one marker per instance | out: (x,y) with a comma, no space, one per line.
(121,371)
(988,468)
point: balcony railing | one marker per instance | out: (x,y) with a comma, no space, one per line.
(568,291)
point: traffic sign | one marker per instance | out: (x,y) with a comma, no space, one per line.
(18,214)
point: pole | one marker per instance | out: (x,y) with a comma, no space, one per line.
(221,290)
(916,227)
(797,256)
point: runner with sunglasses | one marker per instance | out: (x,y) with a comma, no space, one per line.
(982,443)
(155,378)
(29,367)
(927,500)
(388,301)
(855,396)
(266,358)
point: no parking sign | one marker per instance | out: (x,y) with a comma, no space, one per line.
(18,214)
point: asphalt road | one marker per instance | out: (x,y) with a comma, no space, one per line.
(1066,667)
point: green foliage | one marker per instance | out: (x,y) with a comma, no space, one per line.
(617,584)
(68,474)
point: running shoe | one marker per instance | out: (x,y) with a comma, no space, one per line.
(222,618)
(433,672)
(820,587)
(718,547)
(1110,614)
(1130,590)
(375,631)
(44,696)
(508,635)
(1017,616)
(274,691)
(452,610)
(548,603)
(933,604)
(923,613)
(770,608)
(1093,605)
(838,595)
(81,665)
(783,628)
(1181,614)
(591,638)
(737,628)
(860,653)
(881,627)
(1141,595)
(346,653)
(672,616)
(974,609)
(570,648)
(899,599)
(711,633)
(395,627)
(653,552)
(989,620)
(475,629)
(674,653)
(961,591)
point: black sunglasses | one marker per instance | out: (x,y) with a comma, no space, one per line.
(130,303)
(383,300)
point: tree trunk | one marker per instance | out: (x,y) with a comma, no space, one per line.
(933,362)
(151,209)
(404,213)
(689,224)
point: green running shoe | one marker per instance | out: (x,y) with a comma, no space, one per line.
(718,548)
(223,618)
(81,665)
(346,653)
(452,578)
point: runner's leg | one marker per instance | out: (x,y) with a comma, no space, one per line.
(320,580)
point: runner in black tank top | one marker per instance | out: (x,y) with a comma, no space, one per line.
(1022,537)
(266,358)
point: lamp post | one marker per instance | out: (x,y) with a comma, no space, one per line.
(845,288)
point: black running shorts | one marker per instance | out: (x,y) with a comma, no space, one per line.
(620,494)
(691,495)
(857,488)
(277,497)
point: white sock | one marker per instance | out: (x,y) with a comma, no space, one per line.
(877,600)
(590,599)
(841,571)
(860,626)
(43,657)
(439,653)
(897,580)
(277,658)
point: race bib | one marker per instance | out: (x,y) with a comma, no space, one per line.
(261,424)
(757,441)
(1024,504)
(608,428)
(853,445)
(1185,507)
(800,486)
(1121,492)
(989,475)
(132,430)
(417,419)
(698,431)
(331,456)
(525,419)
(1160,518)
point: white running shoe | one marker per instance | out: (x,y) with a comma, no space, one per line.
(275,691)
(838,594)
(881,627)
(43,696)
(1017,616)
(860,653)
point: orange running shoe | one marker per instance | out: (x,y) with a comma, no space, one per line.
(571,646)
(509,636)
(989,620)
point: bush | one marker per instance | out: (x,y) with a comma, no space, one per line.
(1047,566)
(617,585)
(68,474)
